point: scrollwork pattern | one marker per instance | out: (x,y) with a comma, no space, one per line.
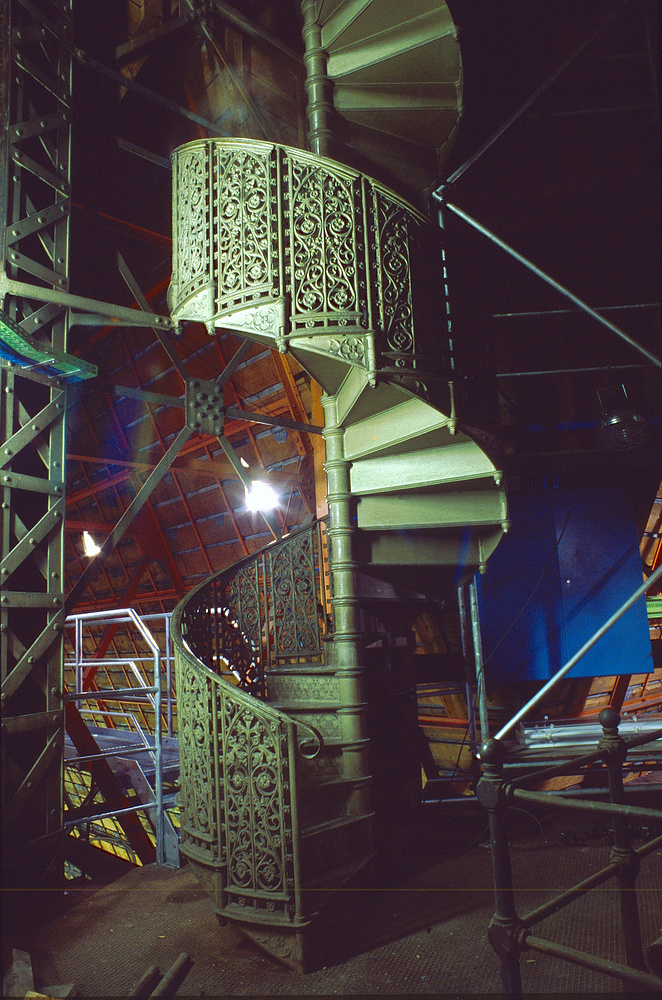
(244,219)
(196,769)
(193,228)
(322,689)
(295,613)
(324,273)
(257,811)
(396,298)
(241,623)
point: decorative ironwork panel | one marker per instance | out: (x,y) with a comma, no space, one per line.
(394,300)
(241,618)
(192,225)
(313,688)
(296,611)
(270,607)
(200,625)
(244,191)
(237,797)
(256,796)
(238,753)
(309,253)
(198,802)
(324,264)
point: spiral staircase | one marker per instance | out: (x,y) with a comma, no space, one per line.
(298,729)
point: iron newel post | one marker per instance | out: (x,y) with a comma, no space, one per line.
(504,927)
(614,752)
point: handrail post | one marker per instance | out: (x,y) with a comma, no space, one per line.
(614,752)
(504,927)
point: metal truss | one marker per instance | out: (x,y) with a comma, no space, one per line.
(35,93)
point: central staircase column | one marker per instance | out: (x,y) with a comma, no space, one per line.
(317,81)
(347,639)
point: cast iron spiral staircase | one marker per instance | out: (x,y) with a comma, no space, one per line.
(315,258)
(297,724)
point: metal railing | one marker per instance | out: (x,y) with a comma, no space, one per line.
(142,693)
(270,608)
(77,662)
(238,754)
(510,933)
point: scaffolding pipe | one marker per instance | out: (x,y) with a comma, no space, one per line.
(128,614)
(555,284)
(532,702)
(468,686)
(530,100)
(478,660)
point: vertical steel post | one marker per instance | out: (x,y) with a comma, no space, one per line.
(613,754)
(478,660)
(468,684)
(35,201)
(504,926)
(168,654)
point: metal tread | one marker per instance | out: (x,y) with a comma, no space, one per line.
(331,825)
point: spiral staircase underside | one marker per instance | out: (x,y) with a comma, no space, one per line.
(396,80)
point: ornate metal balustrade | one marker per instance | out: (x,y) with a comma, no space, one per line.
(271,607)
(310,255)
(238,754)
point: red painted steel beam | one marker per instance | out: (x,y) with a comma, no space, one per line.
(154,291)
(123,226)
(109,786)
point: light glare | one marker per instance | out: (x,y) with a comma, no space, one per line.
(261,497)
(90,547)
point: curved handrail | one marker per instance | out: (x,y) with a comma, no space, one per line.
(238,753)
(251,674)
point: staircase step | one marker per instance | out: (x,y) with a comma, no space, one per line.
(421,510)
(329,846)
(337,878)
(311,708)
(337,18)
(326,720)
(319,690)
(394,428)
(459,462)
(383,51)
(340,823)
(455,547)
(329,801)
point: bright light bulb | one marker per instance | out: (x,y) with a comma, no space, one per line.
(261,496)
(90,547)
(243,462)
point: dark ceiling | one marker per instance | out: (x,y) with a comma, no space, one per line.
(573,184)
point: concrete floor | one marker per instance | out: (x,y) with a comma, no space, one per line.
(422,932)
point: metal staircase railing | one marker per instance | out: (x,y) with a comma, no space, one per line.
(238,754)
(271,607)
(105,764)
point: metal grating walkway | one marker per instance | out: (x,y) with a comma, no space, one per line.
(130,746)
